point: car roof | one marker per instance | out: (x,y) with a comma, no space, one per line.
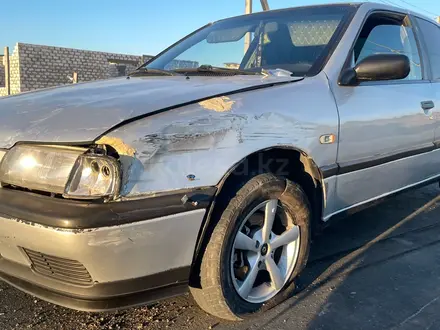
(366,5)
(375,5)
(263,13)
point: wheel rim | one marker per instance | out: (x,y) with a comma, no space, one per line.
(264,253)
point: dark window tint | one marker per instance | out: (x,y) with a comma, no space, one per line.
(431,35)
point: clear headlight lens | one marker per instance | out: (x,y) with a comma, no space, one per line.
(61,170)
(93,176)
(38,167)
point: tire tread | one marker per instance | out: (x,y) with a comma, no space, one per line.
(210,296)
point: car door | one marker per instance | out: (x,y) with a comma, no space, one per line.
(430,33)
(386,127)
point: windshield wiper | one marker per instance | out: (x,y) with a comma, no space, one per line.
(218,70)
(151,72)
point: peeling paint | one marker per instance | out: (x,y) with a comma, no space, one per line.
(119,145)
(208,138)
(200,145)
(85,111)
(111,253)
(219,104)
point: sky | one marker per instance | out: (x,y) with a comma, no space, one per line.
(131,26)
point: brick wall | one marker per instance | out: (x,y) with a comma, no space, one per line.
(176,64)
(47,66)
(37,66)
(120,69)
(14,70)
(2,74)
(14,67)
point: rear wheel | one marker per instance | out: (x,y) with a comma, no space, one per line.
(258,247)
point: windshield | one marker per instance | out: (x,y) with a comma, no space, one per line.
(294,40)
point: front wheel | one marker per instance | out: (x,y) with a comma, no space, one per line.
(258,247)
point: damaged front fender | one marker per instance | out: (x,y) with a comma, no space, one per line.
(196,145)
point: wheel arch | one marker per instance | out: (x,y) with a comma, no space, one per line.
(290,162)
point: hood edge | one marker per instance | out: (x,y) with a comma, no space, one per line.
(237,91)
(133,119)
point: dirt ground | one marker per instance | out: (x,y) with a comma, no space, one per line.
(378,269)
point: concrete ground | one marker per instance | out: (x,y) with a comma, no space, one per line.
(378,269)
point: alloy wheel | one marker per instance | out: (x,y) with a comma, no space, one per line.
(265,252)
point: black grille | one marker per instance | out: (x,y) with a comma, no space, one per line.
(65,270)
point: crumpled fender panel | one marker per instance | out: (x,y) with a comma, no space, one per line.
(196,145)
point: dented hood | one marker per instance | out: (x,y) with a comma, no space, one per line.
(82,112)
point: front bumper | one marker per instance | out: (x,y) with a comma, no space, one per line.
(127,259)
(100,296)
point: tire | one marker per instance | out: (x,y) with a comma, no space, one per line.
(223,292)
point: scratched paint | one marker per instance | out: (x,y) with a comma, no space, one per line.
(124,252)
(207,143)
(159,151)
(82,112)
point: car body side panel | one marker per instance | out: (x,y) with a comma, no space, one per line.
(364,186)
(436,111)
(378,120)
(196,145)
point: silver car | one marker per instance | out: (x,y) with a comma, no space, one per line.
(211,166)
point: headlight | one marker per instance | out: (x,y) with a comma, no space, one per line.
(93,176)
(61,170)
(38,167)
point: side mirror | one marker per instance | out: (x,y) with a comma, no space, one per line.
(377,68)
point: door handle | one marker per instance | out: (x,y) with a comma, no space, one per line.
(427,105)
